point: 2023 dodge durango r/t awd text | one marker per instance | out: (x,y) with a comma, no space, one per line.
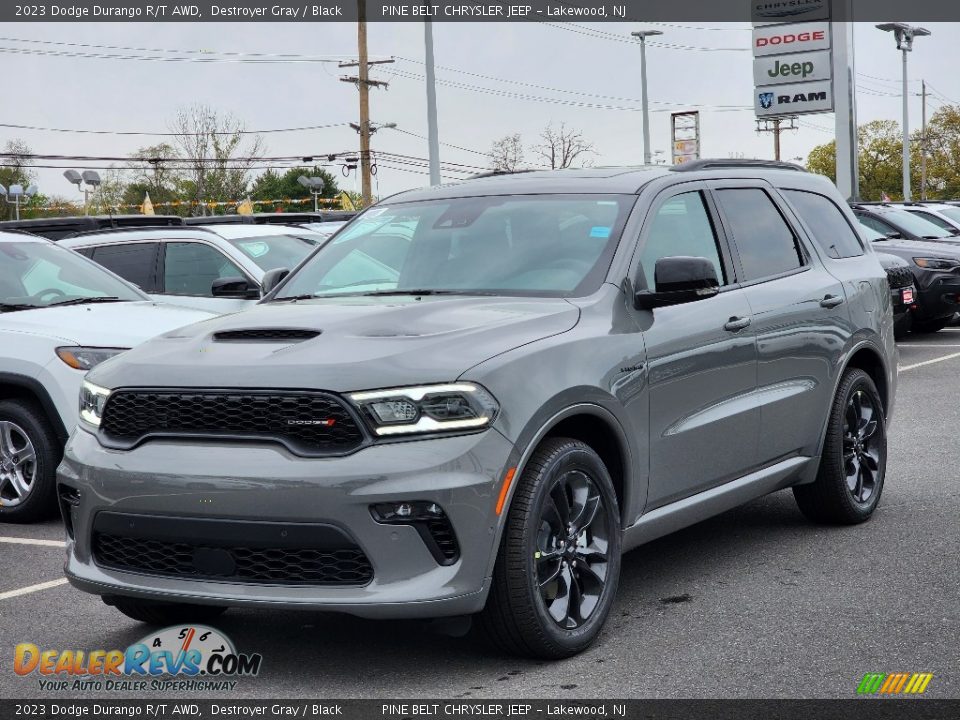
(477,396)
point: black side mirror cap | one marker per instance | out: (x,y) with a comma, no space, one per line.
(235,288)
(679,280)
(272,278)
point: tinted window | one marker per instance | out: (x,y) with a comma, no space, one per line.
(919,226)
(877,225)
(681,227)
(136,262)
(764,241)
(190,269)
(938,221)
(829,226)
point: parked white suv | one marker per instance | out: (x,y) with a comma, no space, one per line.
(218,268)
(60,315)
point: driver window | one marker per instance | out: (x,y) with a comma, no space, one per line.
(680,227)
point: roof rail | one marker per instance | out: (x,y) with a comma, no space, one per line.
(135,228)
(495,173)
(735,164)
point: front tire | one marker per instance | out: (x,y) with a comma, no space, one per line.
(558,564)
(854,461)
(164,613)
(29,454)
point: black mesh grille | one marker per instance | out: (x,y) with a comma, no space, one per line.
(442,533)
(899,277)
(310,424)
(301,566)
(266,335)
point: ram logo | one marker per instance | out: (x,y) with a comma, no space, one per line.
(766,100)
(802,98)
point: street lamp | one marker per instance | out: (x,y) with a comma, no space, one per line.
(15,193)
(90,177)
(905,34)
(643,35)
(314,185)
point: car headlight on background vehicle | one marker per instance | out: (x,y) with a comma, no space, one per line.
(427,409)
(86,358)
(937,263)
(92,400)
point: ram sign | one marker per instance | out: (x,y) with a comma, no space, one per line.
(794,99)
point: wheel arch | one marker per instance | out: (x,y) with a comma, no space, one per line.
(15,386)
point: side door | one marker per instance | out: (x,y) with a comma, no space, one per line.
(135,262)
(800,317)
(702,358)
(188,271)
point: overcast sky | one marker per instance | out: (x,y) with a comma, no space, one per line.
(133,95)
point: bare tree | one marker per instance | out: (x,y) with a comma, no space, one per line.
(217,153)
(561,147)
(506,154)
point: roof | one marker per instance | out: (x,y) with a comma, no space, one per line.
(189,232)
(16,236)
(233,232)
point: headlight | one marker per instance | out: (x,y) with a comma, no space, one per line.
(86,358)
(937,263)
(92,399)
(427,409)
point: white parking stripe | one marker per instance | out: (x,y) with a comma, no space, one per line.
(32,589)
(904,368)
(31,541)
(925,345)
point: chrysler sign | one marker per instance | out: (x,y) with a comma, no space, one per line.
(765,12)
(796,99)
(781,39)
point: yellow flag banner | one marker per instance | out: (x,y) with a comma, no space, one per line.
(147,207)
(346,202)
(245,208)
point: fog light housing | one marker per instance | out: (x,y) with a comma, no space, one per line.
(430,522)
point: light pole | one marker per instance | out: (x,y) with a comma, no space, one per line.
(433,137)
(90,177)
(905,34)
(314,185)
(15,193)
(643,35)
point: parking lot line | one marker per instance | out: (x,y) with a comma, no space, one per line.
(927,345)
(31,541)
(904,368)
(32,589)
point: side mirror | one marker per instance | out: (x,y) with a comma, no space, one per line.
(679,280)
(234,287)
(272,278)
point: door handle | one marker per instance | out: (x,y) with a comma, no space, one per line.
(831,301)
(737,324)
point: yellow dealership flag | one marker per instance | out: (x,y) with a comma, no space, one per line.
(245,208)
(147,207)
(346,202)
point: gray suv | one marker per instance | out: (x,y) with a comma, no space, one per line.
(478,396)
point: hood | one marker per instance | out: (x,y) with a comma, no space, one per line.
(363,343)
(914,248)
(112,325)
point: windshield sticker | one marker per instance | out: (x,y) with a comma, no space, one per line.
(600,231)
(255,249)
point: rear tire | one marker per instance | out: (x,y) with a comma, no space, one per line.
(854,461)
(924,327)
(29,454)
(558,564)
(164,613)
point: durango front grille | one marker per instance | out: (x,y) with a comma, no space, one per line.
(231,551)
(899,277)
(306,423)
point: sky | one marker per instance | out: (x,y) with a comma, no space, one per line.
(594,64)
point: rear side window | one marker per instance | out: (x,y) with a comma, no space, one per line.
(190,269)
(830,228)
(765,242)
(877,225)
(134,262)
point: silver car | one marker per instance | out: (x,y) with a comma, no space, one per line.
(476,397)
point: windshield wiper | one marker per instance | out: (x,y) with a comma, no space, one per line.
(294,297)
(13,307)
(86,300)
(384,293)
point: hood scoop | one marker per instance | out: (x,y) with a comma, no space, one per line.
(266,335)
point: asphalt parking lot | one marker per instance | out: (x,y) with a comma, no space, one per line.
(754,603)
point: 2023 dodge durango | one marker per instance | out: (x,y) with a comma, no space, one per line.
(478,396)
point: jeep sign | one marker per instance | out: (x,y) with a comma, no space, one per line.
(783,69)
(794,99)
(781,39)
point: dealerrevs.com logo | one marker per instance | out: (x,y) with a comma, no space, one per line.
(894,683)
(180,658)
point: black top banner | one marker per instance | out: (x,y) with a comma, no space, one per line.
(300,11)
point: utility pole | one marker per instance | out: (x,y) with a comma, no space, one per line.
(923,145)
(364,83)
(433,136)
(775,126)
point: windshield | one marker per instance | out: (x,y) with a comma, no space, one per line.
(916,225)
(326,228)
(938,221)
(543,245)
(39,274)
(278,251)
(870,233)
(953,213)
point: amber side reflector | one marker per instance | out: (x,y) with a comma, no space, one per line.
(505,488)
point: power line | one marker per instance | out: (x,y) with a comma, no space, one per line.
(602,35)
(172,134)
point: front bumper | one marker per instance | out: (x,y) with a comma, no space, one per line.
(938,297)
(248,482)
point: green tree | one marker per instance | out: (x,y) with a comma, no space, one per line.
(881,162)
(154,170)
(272,185)
(943,154)
(16,171)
